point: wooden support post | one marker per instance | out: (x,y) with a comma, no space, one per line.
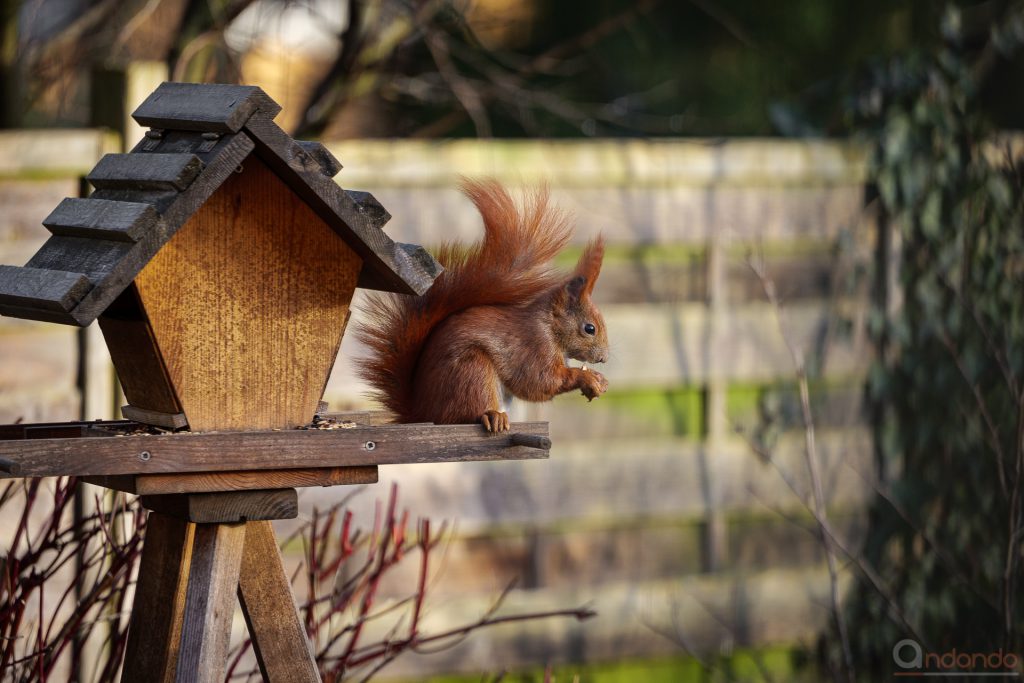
(210,603)
(198,556)
(155,631)
(278,637)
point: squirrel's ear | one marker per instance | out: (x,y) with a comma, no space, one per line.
(576,286)
(588,267)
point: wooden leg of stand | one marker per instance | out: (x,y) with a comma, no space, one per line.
(155,630)
(210,602)
(278,636)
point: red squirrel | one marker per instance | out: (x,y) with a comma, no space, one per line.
(498,315)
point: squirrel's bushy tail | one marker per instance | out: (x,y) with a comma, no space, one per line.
(509,266)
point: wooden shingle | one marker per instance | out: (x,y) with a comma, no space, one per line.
(202,135)
(216,108)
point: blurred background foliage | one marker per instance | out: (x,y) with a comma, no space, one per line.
(503,68)
(945,539)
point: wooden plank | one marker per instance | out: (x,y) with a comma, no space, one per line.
(58,431)
(675,344)
(226,507)
(94,258)
(211,107)
(38,314)
(327,163)
(255,299)
(368,205)
(638,549)
(101,219)
(156,622)
(53,152)
(55,291)
(653,277)
(292,449)
(154,417)
(609,163)
(712,613)
(25,430)
(166,172)
(278,636)
(632,215)
(133,349)
(531,441)
(392,270)
(609,482)
(210,603)
(156,484)
(119,482)
(365,418)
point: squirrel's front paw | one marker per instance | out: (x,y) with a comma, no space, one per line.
(593,384)
(495,421)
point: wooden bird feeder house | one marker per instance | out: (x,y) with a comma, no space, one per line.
(220,259)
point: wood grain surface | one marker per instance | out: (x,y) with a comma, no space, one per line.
(387,268)
(278,636)
(247,302)
(154,417)
(101,219)
(156,484)
(210,603)
(216,107)
(163,172)
(226,507)
(274,450)
(155,631)
(134,352)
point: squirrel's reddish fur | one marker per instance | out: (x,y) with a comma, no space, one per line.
(498,315)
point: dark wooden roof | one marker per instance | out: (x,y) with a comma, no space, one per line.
(200,134)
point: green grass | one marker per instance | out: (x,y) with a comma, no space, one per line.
(677,412)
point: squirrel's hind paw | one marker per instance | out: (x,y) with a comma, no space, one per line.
(495,421)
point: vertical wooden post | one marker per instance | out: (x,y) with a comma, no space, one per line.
(117,90)
(210,603)
(10,79)
(278,636)
(715,419)
(155,630)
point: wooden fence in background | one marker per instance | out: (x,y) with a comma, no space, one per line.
(676,503)
(655,507)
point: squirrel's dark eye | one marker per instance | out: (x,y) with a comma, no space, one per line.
(589,328)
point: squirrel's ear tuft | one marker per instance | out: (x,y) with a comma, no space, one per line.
(589,265)
(576,286)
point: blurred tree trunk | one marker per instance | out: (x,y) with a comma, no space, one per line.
(150,29)
(10,109)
